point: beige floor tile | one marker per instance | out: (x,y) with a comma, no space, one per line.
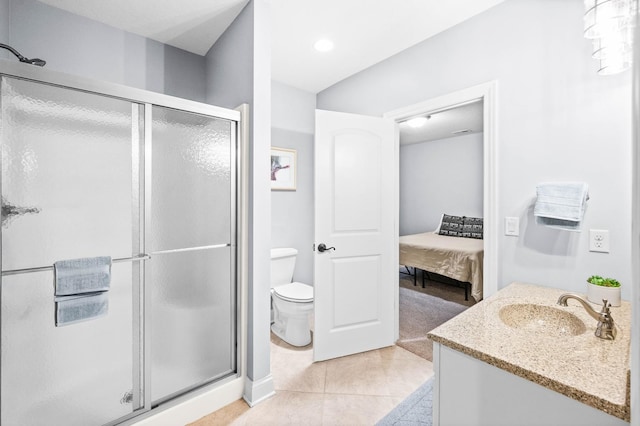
(360,374)
(293,368)
(354,410)
(284,408)
(287,408)
(405,370)
(232,414)
(405,375)
(355,390)
(396,352)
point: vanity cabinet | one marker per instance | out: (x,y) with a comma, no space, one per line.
(518,358)
(468,391)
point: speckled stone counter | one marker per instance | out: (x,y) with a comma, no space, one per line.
(584,367)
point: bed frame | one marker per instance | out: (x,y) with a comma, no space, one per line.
(456,258)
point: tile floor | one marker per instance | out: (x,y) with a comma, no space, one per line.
(354,390)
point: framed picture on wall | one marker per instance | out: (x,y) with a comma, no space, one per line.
(283,169)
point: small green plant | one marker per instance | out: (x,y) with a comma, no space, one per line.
(604,282)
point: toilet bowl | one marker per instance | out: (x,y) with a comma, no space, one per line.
(292,302)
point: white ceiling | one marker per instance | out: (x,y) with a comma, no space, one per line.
(364,32)
(465,119)
(191,25)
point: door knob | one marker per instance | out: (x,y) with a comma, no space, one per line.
(322,247)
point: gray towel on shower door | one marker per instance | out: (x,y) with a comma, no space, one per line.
(74,309)
(78,276)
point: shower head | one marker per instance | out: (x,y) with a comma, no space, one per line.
(34,61)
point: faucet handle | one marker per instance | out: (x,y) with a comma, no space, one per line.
(606,328)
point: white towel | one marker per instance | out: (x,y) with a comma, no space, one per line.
(86,275)
(79,308)
(561,204)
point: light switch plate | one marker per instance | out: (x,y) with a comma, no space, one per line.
(512,226)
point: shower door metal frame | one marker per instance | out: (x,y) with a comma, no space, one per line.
(142,102)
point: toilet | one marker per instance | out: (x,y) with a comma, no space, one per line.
(292,302)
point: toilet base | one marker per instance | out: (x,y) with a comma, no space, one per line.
(295,332)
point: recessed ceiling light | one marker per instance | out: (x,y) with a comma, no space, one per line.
(417,122)
(323,45)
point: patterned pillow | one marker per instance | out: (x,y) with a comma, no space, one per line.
(451,225)
(472,227)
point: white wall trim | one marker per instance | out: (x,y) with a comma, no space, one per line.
(253,392)
(436,385)
(635,236)
(243,235)
(258,391)
(487,92)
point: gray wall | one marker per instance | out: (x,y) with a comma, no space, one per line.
(229,64)
(4,28)
(436,177)
(557,121)
(239,71)
(292,212)
(80,46)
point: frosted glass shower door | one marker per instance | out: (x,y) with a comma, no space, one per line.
(191,238)
(69,190)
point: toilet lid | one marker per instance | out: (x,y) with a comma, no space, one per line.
(295,292)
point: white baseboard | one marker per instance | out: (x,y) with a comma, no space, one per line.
(259,390)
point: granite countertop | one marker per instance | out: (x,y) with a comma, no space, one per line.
(584,367)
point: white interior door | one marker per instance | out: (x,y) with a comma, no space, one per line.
(355,175)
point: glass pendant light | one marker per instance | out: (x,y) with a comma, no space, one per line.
(604,17)
(610,23)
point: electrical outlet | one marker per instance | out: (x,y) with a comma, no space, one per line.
(599,240)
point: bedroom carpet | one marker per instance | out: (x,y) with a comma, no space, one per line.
(420,313)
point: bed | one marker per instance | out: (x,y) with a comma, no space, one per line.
(455,257)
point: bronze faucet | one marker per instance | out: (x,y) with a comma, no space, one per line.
(606,328)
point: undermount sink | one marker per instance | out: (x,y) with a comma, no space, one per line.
(542,319)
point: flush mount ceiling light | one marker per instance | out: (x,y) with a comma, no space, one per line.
(610,24)
(323,45)
(418,121)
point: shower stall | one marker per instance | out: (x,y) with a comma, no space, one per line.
(96,169)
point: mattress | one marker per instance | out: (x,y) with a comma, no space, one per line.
(454,257)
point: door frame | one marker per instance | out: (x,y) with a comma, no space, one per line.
(487,93)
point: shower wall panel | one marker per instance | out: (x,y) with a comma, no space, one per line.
(192,333)
(86,174)
(67,177)
(191,236)
(73,375)
(191,187)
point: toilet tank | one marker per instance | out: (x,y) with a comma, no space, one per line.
(283,262)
